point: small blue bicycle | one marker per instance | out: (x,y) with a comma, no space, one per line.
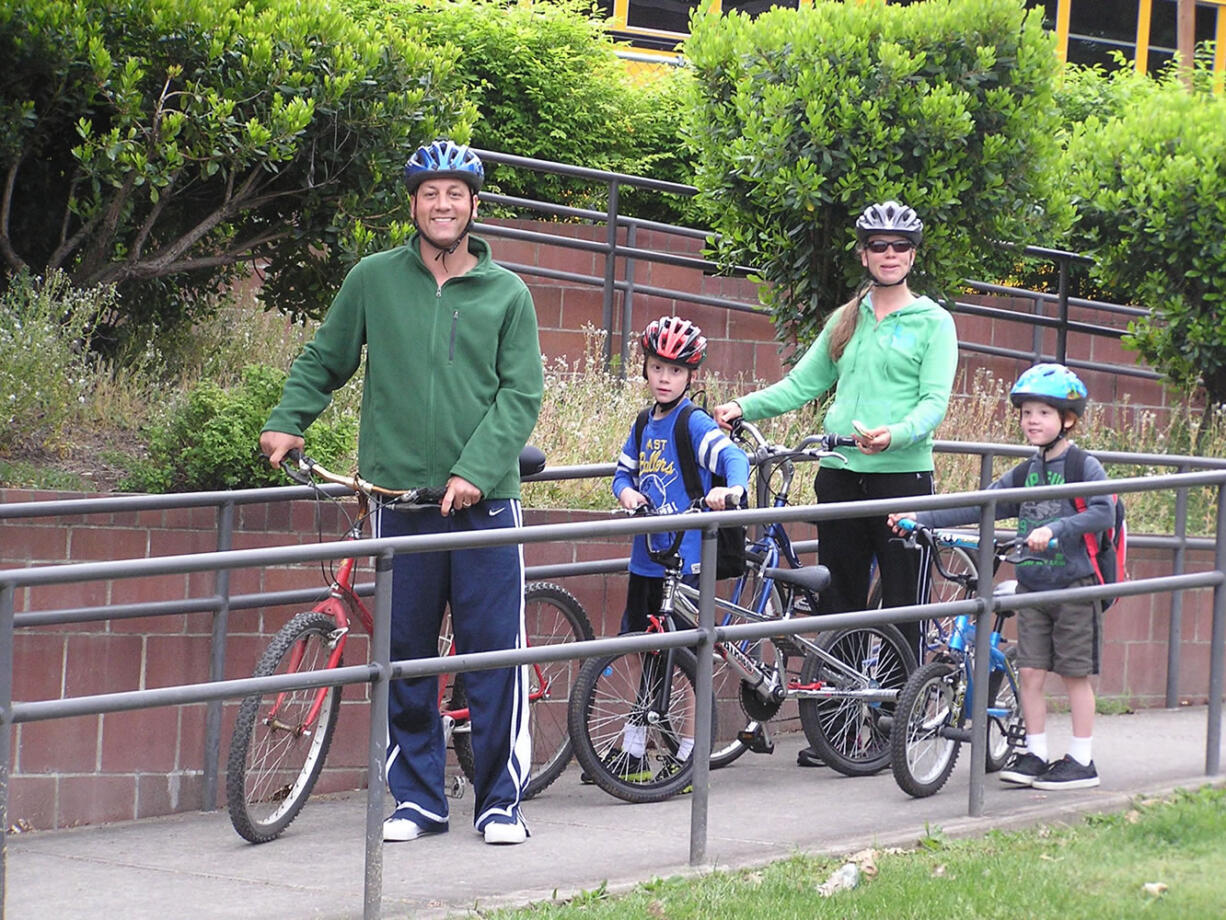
(931,719)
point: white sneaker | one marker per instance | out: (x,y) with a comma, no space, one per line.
(503,833)
(399,830)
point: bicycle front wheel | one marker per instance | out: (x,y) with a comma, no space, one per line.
(921,757)
(649,695)
(845,729)
(278,750)
(1005,717)
(552,616)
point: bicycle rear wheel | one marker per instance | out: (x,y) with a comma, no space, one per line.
(921,757)
(652,692)
(846,731)
(552,616)
(275,755)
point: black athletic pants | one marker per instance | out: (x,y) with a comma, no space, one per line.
(847,546)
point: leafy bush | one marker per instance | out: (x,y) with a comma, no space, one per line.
(207,440)
(165,145)
(1149,180)
(547,84)
(802,117)
(45,371)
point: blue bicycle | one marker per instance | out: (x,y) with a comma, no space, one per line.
(931,719)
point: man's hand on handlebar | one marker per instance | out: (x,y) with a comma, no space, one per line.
(726,413)
(276,444)
(460,494)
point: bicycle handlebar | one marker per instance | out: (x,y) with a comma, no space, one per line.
(1012,551)
(303,469)
(813,447)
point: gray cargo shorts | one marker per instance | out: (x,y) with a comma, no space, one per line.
(1064,638)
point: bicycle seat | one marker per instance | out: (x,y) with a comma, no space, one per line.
(531,461)
(815,578)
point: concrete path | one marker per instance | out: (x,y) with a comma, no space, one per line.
(762,808)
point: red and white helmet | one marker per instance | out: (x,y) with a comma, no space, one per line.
(675,340)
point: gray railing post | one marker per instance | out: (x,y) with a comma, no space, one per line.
(628,299)
(217,659)
(1217,640)
(1175,628)
(705,651)
(7,594)
(1062,300)
(610,275)
(983,655)
(381,661)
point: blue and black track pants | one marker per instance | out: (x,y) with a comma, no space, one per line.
(484,587)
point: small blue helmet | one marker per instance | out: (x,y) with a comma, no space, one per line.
(1053,384)
(444,159)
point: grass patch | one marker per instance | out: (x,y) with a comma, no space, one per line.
(1160,858)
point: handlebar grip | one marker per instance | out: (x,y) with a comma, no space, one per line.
(430,495)
(907,524)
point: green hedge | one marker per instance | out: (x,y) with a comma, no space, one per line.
(803,117)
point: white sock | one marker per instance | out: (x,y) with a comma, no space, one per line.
(685,748)
(1080,749)
(634,740)
(1037,745)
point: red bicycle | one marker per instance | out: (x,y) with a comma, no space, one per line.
(281,739)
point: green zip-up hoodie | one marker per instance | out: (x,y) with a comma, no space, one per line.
(898,372)
(453,373)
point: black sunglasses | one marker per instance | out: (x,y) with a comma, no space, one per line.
(880,246)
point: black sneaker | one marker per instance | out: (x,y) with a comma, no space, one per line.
(1023,769)
(630,768)
(809,758)
(1067,773)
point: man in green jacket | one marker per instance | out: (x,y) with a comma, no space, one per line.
(451,393)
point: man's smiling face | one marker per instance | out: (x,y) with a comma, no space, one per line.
(442,208)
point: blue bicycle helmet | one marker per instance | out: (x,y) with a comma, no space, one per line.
(1053,384)
(889,217)
(444,159)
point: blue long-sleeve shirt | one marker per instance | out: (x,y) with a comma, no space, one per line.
(652,468)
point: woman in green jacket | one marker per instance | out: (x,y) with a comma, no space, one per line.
(891,357)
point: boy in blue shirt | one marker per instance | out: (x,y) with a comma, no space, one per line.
(1064,638)
(650,472)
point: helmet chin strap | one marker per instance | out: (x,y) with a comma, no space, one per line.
(887,284)
(443,251)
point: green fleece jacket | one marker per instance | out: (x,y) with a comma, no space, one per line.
(453,377)
(897,372)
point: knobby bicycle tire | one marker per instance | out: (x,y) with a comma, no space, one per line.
(275,760)
(552,615)
(921,757)
(847,733)
(612,690)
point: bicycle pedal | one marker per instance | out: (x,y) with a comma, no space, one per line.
(457,787)
(756,741)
